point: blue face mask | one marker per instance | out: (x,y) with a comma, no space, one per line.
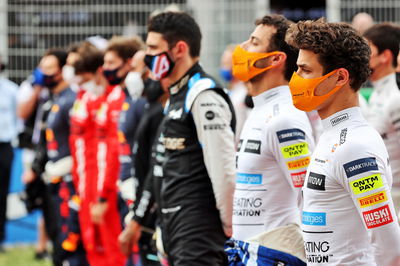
(226,74)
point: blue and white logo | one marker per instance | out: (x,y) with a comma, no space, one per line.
(250,179)
(314,218)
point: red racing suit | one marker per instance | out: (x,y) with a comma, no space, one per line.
(108,167)
(84,171)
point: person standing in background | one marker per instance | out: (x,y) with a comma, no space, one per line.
(383,108)
(8,125)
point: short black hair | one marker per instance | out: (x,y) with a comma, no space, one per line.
(60,54)
(385,36)
(177,26)
(281,24)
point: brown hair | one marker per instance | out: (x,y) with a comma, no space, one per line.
(277,42)
(385,36)
(90,59)
(337,46)
(125,47)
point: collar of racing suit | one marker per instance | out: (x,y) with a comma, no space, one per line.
(174,88)
(385,83)
(269,95)
(352,115)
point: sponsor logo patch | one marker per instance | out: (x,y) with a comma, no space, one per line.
(377,217)
(248,207)
(298,178)
(253,146)
(366,184)
(250,179)
(372,199)
(316,252)
(360,166)
(214,127)
(298,163)
(210,115)
(175,114)
(295,150)
(290,134)
(343,135)
(314,218)
(316,181)
(339,119)
(174,143)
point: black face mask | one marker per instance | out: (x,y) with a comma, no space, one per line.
(49,81)
(112,76)
(160,65)
(153,90)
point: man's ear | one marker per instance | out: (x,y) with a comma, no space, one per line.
(180,50)
(278,59)
(343,76)
(386,57)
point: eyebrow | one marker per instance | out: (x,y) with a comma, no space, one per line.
(252,37)
(303,65)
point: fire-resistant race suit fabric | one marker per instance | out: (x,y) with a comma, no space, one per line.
(383,114)
(199,170)
(130,116)
(272,158)
(146,155)
(348,215)
(58,170)
(108,166)
(83,147)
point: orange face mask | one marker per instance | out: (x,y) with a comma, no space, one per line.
(243,63)
(303,91)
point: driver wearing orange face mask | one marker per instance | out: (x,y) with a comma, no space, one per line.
(276,140)
(348,216)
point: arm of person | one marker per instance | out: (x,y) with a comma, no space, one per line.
(366,176)
(292,144)
(26,106)
(212,118)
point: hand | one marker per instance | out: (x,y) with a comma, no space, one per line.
(129,237)
(28,176)
(97,212)
(227,230)
(137,63)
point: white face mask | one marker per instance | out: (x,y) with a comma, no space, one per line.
(92,87)
(134,84)
(68,74)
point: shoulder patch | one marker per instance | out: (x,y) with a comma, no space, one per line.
(360,166)
(290,134)
(196,85)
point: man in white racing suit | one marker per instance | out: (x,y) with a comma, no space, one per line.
(276,141)
(383,109)
(348,214)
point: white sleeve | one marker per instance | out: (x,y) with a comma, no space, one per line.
(25,92)
(366,175)
(212,118)
(291,142)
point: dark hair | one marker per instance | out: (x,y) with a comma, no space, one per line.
(177,26)
(125,47)
(90,59)
(60,54)
(385,36)
(277,42)
(337,46)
